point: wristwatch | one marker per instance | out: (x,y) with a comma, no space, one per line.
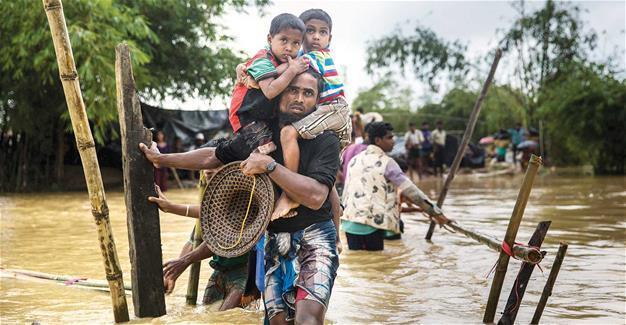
(271,166)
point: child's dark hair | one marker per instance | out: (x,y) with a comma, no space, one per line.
(317,14)
(378,130)
(286,21)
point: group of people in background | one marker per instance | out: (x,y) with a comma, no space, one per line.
(163,174)
(520,142)
(425,148)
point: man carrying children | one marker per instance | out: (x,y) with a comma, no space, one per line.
(310,235)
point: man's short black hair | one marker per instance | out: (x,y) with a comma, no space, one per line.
(320,80)
(411,124)
(378,130)
(286,21)
(317,14)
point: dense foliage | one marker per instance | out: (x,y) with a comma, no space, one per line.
(177,50)
(580,102)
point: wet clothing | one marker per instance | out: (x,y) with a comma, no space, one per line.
(248,105)
(332,116)
(301,251)
(333,111)
(347,155)
(322,62)
(222,283)
(319,159)
(370,242)
(309,264)
(370,195)
(228,274)
(241,145)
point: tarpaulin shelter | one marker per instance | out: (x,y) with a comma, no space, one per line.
(185,124)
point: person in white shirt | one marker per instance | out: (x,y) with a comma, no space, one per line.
(439,142)
(413,138)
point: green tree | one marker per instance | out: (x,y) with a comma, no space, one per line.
(390,100)
(543,43)
(585,112)
(426,54)
(177,50)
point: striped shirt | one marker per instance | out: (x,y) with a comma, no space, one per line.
(322,62)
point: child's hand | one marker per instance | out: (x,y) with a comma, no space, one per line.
(244,79)
(298,65)
(161,200)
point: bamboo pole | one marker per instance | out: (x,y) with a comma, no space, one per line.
(523,276)
(469,130)
(86,148)
(509,238)
(194,272)
(76,281)
(547,290)
(526,254)
(178,182)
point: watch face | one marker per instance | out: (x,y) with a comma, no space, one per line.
(271,166)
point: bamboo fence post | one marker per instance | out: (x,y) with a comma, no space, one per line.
(469,130)
(547,290)
(521,281)
(142,217)
(509,238)
(194,272)
(87,151)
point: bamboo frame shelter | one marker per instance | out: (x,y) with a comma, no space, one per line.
(87,151)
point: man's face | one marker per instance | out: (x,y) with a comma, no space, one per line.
(386,142)
(300,97)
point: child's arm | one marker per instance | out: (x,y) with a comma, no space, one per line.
(272,87)
(165,205)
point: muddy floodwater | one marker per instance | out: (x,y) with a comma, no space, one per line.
(412,281)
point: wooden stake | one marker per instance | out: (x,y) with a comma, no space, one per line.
(469,130)
(547,290)
(87,151)
(521,282)
(178,182)
(194,272)
(509,238)
(144,231)
(523,253)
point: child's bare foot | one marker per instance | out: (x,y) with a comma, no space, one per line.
(284,208)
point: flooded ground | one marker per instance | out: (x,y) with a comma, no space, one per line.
(411,281)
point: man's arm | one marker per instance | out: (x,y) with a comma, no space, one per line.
(412,193)
(203,158)
(302,189)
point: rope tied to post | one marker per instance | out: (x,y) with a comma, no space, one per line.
(508,250)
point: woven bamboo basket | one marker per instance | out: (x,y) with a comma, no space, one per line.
(231,197)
